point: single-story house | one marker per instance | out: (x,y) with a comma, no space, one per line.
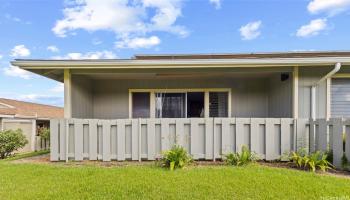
(182,87)
(28,117)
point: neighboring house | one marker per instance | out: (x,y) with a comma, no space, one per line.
(28,117)
(257,86)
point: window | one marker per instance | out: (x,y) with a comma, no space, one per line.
(179,103)
(218,104)
(170,105)
(141,105)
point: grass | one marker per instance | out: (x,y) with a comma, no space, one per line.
(60,181)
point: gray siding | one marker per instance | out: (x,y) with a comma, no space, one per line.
(82,106)
(111,97)
(307,77)
(280,97)
(256,96)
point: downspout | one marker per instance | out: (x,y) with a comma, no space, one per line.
(313,89)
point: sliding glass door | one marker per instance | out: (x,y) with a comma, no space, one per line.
(170,105)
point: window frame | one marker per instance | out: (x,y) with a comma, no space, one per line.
(185,90)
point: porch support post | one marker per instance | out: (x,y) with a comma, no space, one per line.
(206,104)
(296,92)
(67,94)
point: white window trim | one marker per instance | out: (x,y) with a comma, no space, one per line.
(206,98)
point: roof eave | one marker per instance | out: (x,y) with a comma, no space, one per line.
(185,63)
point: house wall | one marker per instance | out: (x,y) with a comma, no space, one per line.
(280,102)
(307,77)
(82,106)
(250,96)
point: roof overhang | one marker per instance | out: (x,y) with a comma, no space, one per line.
(54,68)
(178,63)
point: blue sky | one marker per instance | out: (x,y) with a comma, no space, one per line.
(73,29)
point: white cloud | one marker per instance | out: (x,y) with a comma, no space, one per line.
(139,42)
(313,28)
(20,51)
(88,55)
(10,17)
(53,48)
(251,30)
(1,56)
(59,88)
(332,7)
(216,3)
(126,18)
(17,72)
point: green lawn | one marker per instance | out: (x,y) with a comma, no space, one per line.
(59,181)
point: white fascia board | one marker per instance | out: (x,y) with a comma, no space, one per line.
(184,63)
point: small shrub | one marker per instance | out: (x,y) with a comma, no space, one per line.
(10,141)
(344,161)
(312,162)
(44,133)
(176,157)
(239,159)
(329,156)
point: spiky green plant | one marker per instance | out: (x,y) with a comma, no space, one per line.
(176,157)
(241,158)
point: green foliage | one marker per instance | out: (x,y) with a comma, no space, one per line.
(241,158)
(312,162)
(329,156)
(176,157)
(10,141)
(344,161)
(44,133)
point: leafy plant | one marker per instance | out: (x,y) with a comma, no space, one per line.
(10,141)
(176,157)
(241,158)
(329,156)
(44,133)
(312,162)
(344,161)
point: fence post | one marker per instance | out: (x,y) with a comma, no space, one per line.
(337,142)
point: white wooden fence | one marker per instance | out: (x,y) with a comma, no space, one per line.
(145,139)
(333,134)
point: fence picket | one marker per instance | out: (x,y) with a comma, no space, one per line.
(78,140)
(135,139)
(93,139)
(321,135)
(54,138)
(285,136)
(337,142)
(239,134)
(209,139)
(62,138)
(120,140)
(106,140)
(151,139)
